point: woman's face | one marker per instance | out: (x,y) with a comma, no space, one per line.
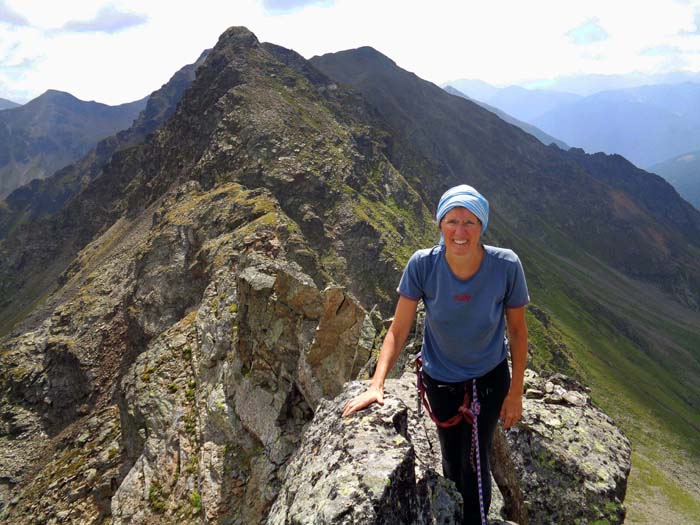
(461,230)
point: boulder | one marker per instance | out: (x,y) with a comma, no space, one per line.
(571,459)
(374,467)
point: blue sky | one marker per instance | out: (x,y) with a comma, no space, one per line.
(121,50)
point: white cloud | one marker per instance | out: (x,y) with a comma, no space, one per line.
(286,6)
(500,41)
(108,19)
(9,16)
(588,33)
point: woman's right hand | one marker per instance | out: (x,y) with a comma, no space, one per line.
(374,394)
(391,347)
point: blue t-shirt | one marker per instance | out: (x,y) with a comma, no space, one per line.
(464,323)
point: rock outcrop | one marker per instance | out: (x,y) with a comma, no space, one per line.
(216,405)
(572,460)
(382,465)
(377,466)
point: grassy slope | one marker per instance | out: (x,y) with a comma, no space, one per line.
(606,330)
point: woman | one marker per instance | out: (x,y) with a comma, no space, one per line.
(469,291)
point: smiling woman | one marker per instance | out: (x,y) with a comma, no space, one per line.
(471,292)
(461,231)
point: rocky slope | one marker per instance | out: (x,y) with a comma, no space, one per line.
(208,288)
(52,131)
(382,465)
(268,162)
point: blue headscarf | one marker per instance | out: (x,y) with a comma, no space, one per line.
(466,197)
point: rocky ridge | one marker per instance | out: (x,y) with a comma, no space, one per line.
(155,254)
(211,298)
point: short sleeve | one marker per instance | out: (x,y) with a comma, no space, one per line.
(517,294)
(411,284)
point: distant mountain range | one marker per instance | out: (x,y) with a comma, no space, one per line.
(528,128)
(581,85)
(683,172)
(645,124)
(53,130)
(523,104)
(43,197)
(586,85)
(7,104)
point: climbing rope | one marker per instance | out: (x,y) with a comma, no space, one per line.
(476,409)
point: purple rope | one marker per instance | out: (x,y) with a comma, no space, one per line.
(476,408)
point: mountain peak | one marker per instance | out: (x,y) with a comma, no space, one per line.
(238,36)
(55,98)
(7,104)
(363,54)
(55,95)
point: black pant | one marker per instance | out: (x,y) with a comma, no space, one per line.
(455,442)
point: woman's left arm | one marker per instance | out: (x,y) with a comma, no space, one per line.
(512,407)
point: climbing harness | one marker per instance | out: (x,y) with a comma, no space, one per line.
(465,412)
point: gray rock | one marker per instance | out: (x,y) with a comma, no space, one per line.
(575,398)
(365,468)
(533,393)
(573,463)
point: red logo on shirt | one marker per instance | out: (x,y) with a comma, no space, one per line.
(462,297)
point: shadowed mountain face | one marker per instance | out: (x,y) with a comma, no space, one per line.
(176,290)
(633,221)
(527,128)
(7,104)
(52,131)
(44,197)
(683,172)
